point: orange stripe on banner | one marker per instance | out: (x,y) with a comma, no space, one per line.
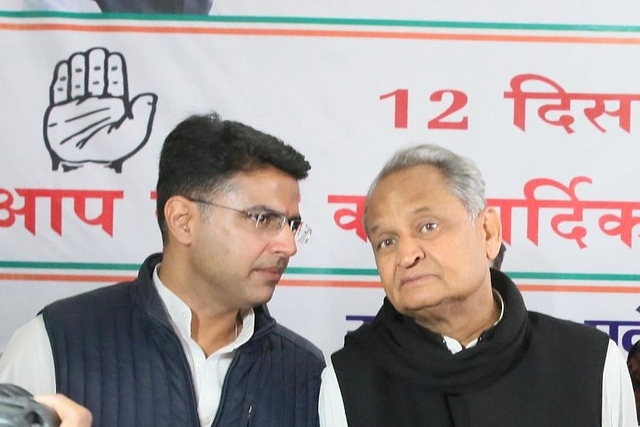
(318,33)
(580,288)
(330,283)
(522,287)
(317,283)
(64,278)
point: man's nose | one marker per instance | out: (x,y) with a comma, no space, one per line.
(285,242)
(410,251)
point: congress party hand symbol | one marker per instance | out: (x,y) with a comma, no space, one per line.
(90,117)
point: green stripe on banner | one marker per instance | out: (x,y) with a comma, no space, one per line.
(69,265)
(326,21)
(333,271)
(321,271)
(512,274)
(575,276)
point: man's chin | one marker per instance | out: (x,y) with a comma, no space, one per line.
(263,295)
(414,308)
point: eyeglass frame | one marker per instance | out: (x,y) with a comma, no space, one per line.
(302,232)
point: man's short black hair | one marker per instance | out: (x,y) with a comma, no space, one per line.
(203,152)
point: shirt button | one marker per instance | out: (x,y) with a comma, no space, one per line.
(199,361)
(206,421)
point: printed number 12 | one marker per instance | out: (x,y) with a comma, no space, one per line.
(401,109)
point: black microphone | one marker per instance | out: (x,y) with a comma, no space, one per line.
(18,409)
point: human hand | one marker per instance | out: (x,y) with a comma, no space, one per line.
(71,414)
(90,117)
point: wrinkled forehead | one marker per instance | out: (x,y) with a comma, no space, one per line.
(412,189)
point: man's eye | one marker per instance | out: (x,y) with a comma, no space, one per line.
(258,217)
(385,243)
(428,227)
(295,224)
(267,220)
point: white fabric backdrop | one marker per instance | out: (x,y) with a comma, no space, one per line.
(314,73)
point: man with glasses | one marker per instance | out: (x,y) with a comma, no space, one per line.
(190,341)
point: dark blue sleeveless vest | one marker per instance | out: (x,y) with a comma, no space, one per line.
(116,353)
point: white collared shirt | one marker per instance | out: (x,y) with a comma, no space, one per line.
(456,346)
(28,360)
(208,372)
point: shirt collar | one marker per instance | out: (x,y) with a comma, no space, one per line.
(180,315)
(455,346)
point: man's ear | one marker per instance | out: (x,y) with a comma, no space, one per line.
(492,228)
(180,214)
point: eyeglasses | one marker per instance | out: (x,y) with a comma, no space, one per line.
(270,222)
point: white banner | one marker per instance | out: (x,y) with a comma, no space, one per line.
(546,101)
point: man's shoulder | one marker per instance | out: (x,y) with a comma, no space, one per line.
(297,341)
(106,298)
(564,329)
